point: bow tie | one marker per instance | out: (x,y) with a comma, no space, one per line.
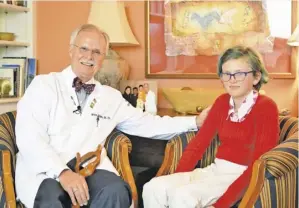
(78,85)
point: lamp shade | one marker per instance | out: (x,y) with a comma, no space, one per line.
(110,16)
(294,39)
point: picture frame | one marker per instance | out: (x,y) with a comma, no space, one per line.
(281,62)
(141,94)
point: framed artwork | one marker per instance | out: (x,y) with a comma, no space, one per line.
(184,39)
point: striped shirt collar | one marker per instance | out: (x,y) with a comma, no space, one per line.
(244,109)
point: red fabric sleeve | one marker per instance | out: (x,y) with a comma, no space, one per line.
(267,136)
(203,138)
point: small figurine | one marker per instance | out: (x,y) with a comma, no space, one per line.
(90,168)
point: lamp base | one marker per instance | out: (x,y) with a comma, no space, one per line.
(114,69)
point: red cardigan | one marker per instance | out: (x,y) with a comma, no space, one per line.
(241,143)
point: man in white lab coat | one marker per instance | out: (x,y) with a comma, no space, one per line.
(68,112)
(150,100)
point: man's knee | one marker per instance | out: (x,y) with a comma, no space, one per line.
(50,188)
(50,193)
(118,189)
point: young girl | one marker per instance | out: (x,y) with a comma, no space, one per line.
(247,125)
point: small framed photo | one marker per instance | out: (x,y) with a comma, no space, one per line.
(141,94)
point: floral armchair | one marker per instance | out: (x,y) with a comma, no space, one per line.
(118,148)
(274,178)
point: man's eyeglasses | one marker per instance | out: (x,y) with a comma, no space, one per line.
(238,76)
(85,51)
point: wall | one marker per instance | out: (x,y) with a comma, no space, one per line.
(55,20)
(53,33)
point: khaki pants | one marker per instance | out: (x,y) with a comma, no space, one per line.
(199,188)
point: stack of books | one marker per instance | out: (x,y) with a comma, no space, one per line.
(16,74)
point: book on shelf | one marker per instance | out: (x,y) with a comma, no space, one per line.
(31,71)
(21,61)
(16,69)
(25,70)
(22,3)
(7,82)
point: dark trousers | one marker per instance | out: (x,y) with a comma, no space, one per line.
(106,190)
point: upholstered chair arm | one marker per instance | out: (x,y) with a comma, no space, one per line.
(8,197)
(118,147)
(274,177)
(173,152)
(7,134)
(7,163)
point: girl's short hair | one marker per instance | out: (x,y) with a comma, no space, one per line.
(254,60)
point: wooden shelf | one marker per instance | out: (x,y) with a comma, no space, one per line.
(13,8)
(13,43)
(9,100)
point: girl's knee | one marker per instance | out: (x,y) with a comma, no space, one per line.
(180,197)
(149,186)
(154,185)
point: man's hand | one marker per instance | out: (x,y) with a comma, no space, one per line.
(210,207)
(76,186)
(202,116)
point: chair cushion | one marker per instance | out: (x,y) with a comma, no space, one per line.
(147,152)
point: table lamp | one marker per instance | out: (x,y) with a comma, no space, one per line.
(110,16)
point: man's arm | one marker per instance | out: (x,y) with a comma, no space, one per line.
(135,122)
(32,122)
(202,116)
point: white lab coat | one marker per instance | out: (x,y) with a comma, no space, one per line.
(150,103)
(49,134)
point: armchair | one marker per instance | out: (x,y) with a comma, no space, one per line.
(117,144)
(275,175)
(145,159)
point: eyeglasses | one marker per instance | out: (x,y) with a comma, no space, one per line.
(85,51)
(238,76)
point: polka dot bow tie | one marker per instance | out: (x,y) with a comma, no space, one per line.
(78,85)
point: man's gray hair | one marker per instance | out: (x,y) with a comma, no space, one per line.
(89,27)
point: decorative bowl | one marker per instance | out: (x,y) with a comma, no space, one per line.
(191,101)
(7,36)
